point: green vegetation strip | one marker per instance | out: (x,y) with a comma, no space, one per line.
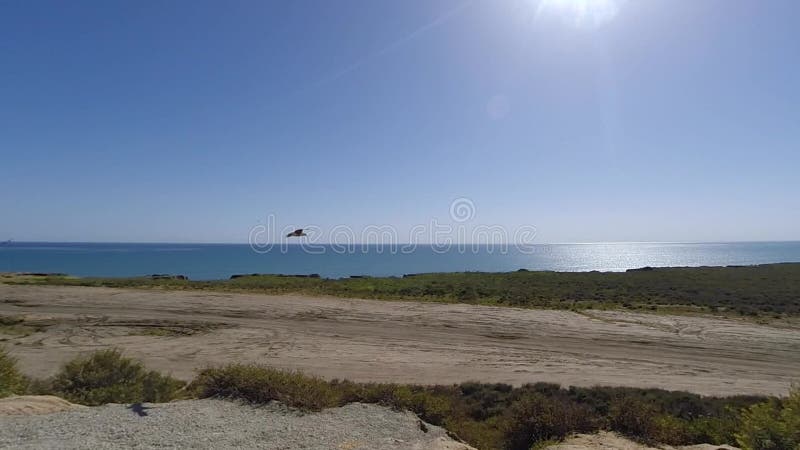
(487,416)
(771,290)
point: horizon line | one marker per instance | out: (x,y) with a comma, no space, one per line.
(402,243)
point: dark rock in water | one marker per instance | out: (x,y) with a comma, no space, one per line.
(166,276)
(43,274)
(641,269)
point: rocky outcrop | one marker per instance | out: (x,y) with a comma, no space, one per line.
(641,269)
(224,424)
(245,275)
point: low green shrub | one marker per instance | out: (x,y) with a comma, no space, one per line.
(262,384)
(535,418)
(434,404)
(633,417)
(499,416)
(772,425)
(715,430)
(108,377)
(488,416)
(11,380)
(759,292)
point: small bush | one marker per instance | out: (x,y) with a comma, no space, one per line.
(535,418)
(262,384)
(772,425)
(482,401)
(715,430)
(633,417)
(108,377)
(480,434)
(433,404)
(11,381)
(671,430)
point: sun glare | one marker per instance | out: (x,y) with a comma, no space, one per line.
(580,13)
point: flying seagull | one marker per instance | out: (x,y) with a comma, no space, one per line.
(296,233)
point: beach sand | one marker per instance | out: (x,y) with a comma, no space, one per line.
(178,332)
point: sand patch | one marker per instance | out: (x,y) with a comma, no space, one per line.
(178,332)
(26,405)
(605,440)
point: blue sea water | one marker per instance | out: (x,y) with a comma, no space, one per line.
(218,261)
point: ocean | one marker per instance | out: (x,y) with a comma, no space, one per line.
(220,261)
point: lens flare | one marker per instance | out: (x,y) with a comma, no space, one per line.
(580,13)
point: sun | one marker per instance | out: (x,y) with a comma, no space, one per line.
(580,13)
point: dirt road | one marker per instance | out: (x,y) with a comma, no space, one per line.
(364,340)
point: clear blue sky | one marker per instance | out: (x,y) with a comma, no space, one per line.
(190,121)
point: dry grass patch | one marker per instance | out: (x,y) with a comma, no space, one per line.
(11,380)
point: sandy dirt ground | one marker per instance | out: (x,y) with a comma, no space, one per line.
(610,441)
(28,405)
(178,332)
